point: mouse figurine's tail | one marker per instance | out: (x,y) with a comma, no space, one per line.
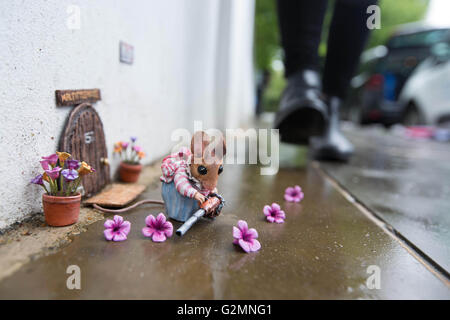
(211,207)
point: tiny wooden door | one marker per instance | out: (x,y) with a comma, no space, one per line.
(84,139)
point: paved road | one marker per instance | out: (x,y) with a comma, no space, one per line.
(322,251)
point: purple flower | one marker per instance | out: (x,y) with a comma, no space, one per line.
(53,173)
(137,148)
(45,164)
(117,229)
(157,228)
(133,139)
(52,159)
(73,164)
(125,145)
(246,237)
(293,194)
(274,213)
(37,180)
(70,174)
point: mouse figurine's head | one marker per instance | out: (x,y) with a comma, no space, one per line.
(207,158)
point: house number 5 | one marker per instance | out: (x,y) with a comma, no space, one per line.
(89,137)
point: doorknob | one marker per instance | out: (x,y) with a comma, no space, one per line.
(104,161)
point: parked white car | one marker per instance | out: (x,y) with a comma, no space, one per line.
(425,98)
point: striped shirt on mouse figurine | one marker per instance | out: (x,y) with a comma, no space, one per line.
(189,177)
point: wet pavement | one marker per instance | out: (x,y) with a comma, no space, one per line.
(322,251)
(404,181)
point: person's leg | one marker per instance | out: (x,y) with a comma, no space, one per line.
(300,23)
(302,113)
(347,37)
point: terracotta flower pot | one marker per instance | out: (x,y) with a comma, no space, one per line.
(61,211)
(129,172)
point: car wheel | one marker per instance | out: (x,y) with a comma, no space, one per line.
(412,116)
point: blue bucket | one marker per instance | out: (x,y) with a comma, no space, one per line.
(178,207)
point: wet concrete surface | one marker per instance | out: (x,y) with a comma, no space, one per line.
(322,251)
(406,182)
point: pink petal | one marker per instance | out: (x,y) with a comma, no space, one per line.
(276,206)
(288,198)
(289,190)
(125,227)
(147,231)
(281,214)
(237,234)
(168,229)
(120,236)
(267,210)
(109,224)
(279,220)
(159,236)
(298,189)
(161,219)
(236,241)
(242,225)
(109,234)
(253,233)
(270,219)
(150,220)
(118,220)
(244,245)
(254,245)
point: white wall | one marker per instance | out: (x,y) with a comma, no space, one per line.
(193,61)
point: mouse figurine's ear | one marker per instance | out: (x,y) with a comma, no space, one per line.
(216,148)
(220,146)
(224,144)
(199,142)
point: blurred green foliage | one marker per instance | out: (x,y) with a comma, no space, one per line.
(267,46)
(272,94)
(266,33)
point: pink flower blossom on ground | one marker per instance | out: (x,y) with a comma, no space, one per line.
(293,194)
(158,228)
(117,229)
(246,237)
(274,213)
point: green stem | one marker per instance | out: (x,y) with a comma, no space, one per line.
(61,183)
(52,188)
(43,186)
(77,185)
(55,187)
(68,188)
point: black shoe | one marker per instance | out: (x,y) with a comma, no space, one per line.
(333,145)
(302,113)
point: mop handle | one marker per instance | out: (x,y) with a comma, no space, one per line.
(209,205)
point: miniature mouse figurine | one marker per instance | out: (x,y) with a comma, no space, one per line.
(189,182)
(190,176)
